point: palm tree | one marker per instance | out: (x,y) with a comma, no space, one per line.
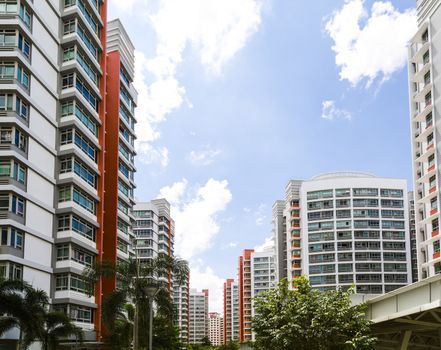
(57,326)
(23,308)
(134,281)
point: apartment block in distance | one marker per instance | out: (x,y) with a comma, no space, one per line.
(347,228)
(54,119)
(245,302)
(181,302)
(199,321)
(231,311)
(424,57)
(279,234)
(216,329)
(412,236)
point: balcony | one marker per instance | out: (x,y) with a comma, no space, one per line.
(419,75)
(421,93)
(418,50)
(435,233)
(436,255)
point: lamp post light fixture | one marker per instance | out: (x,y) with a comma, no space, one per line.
(151,291)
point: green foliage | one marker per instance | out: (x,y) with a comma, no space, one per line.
(230,346)
(119,308)
(305,318)
(26,308)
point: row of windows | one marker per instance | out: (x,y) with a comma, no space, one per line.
(11,7)
(71,282)
(71,79)
(69,192)
(76,313)
(69,164)
(357,213)
(346,192)
(74,223)
(329,225)
(11,271)
(365,234)
(72,252)
(124,189)
(359,256)
(345,203)
(361,245)
(126,117)
(360,278)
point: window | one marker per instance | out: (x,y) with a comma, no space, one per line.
(81,314)
(7,70)
(123,207)
(62,282)
(23,77)
(64,194)
(436,247)
(124,76)
(122,246)
(123,227)
(320,194)
(22,108)
(25,15)
(391,193)
(63,252)
(83,228)
(342,192)
(393,224)
(7,37)
(123,188)
(365,202)
(73,108)
(18,205)
(123,168)
(82,257)
(69,27)
(85,145)
(87,94)
(87,41)
(23,45)
(69,54)
(371,192)
(78,284)
(67,81)
(64,223)
(83,200)
(11,237)
(5,168)
(19,172)
(87,68)
(84,173)
(8,6)
(6,102)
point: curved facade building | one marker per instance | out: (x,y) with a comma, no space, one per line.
(345,228)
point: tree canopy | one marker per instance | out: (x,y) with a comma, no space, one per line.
(305,318)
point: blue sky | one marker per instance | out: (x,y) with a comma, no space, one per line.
(238,97)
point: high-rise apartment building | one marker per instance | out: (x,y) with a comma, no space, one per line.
(424,56)
(346,228)
(263,275)
(216,329)
(231,311)
(279,234)
(199,322)
(53,104)
(181,302)
(412,236)
(245,302)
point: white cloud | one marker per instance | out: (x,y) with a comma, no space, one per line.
(260,214)
(370,46)
(196,214)
(265,246)
(204,156)
(206,278)
(149,154)
(331,112)
(214,29)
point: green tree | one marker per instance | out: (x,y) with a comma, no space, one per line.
(230,346)
(27,309)
(306,318)
(57,326)
(134,280)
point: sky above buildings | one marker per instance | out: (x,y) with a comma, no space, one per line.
(236,97)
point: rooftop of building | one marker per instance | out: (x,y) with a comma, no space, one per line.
(343,174)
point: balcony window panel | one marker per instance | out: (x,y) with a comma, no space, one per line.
(86,93)
(67,81)
(62,282)
(69,27)
(7,37)
(5,168)
(426,57)
(7,70)
(18,205)
(8,7)
(20,140)
(63,252)
(66,165)
(23,45)
(64,194)
(432,181)
(83,200)
(87,68)
(25,15)
(428,99)
(436,247)
(391,193)
(87,41)
(69,54)
(23,77)
(83,228)
(83,171)
(22,108)
(66,137)
(433,203)
(63,223)
(365,192)
(82,257)
(6,102)
(78,284)
(19,173)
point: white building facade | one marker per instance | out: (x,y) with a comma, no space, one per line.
(216,329)
(349,228)
(199,321)
(424,57)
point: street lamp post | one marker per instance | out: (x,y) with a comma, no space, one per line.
(151,292)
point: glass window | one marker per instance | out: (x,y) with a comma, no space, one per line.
(69,54)
(64,194)
(5,168)
(63,252)
(62,282)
